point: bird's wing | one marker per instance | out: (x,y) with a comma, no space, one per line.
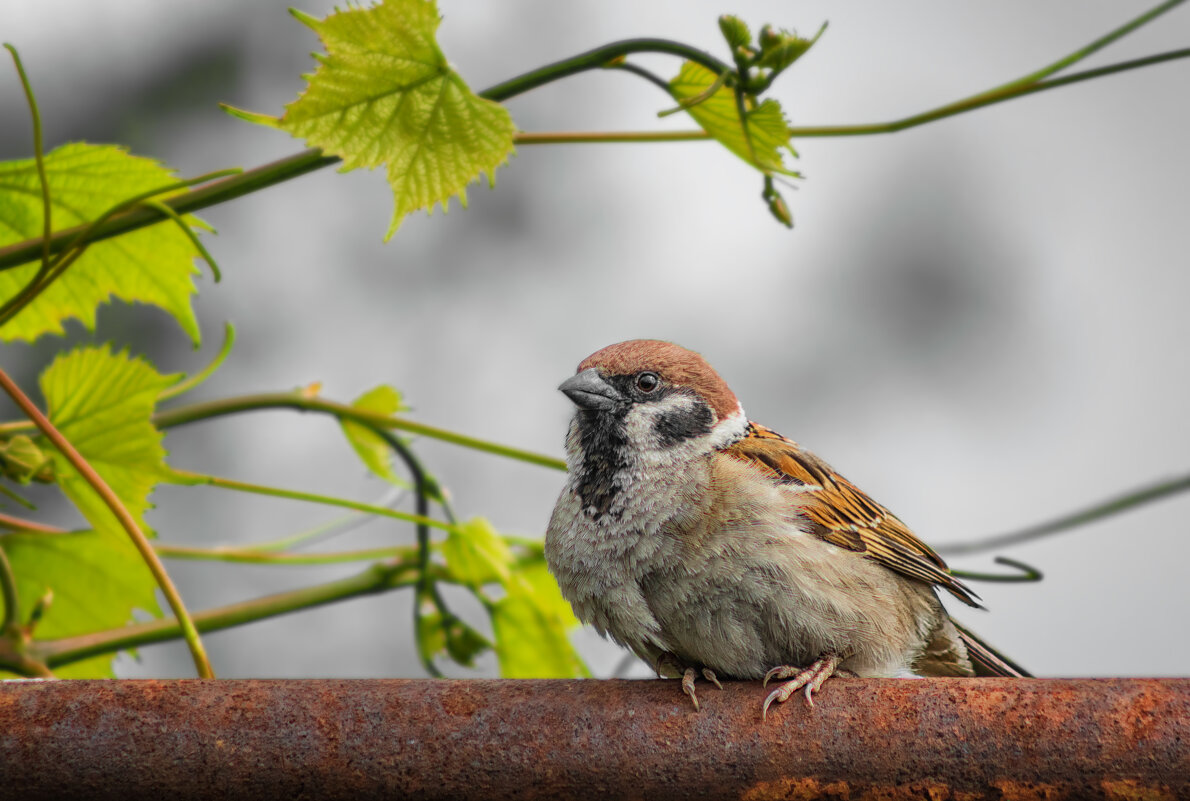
(840,513)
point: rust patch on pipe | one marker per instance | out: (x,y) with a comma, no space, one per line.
(942,739)
(1131,790)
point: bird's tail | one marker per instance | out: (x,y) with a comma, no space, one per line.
(987,660)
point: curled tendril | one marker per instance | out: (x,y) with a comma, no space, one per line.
(1025,572)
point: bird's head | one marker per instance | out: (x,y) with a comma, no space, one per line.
(654,400)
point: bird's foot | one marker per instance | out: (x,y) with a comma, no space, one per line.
(689,675)
(812,678)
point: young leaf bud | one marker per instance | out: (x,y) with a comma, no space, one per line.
(735,31)
(22,461)
(41,606)
(768,38)
(776,204)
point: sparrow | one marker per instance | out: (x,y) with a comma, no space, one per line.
(711,545)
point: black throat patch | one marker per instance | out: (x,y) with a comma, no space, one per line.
(603,437)
(604,441)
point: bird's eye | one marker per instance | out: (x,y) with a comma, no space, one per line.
(647,382)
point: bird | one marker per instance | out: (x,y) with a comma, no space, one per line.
(714,547)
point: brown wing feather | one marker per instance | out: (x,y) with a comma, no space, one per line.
(840,513)
(986,660)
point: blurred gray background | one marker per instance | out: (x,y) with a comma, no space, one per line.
(982,322)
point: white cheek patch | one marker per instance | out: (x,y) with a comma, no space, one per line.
(640,424)
(649,447)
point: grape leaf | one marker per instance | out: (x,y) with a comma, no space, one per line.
(371,449)
(530,643)
(154,265)
(476,554)
(541,585)
(96,581)
(102,403)
(767,130)
(384,94)
(530,625)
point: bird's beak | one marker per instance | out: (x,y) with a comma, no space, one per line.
(588,390)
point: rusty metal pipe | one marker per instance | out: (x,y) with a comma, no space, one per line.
(352,739)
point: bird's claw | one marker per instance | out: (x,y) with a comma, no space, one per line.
(689,675)
(812,679)
(785,670)
(688,686)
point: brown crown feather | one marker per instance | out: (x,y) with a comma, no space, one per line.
(673,363)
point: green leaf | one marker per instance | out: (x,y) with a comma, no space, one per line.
(371,448)
(385,94)
(530,641)
(476,554)
(767,132)
(154,265)
(538,583)
(102,403)
(97,582)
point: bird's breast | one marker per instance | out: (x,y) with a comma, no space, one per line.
(601,558)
